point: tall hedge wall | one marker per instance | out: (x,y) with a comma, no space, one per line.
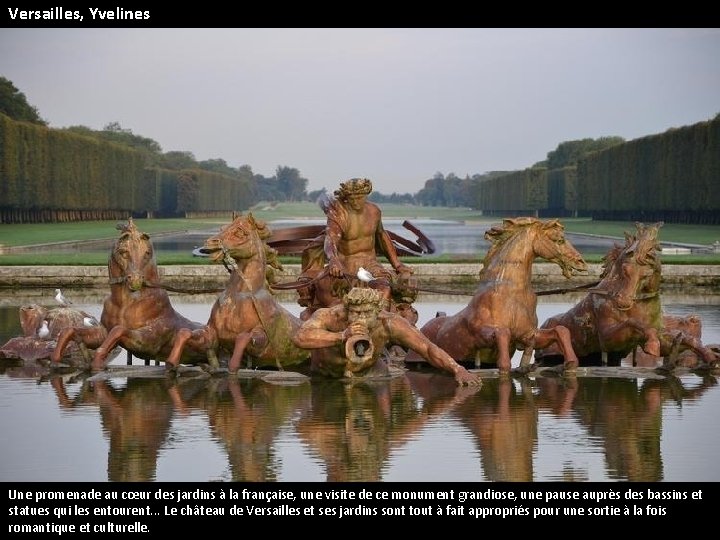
(673,177)
(43,169)
(519,192)
(54,175)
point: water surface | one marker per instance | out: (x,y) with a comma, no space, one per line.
(415,427)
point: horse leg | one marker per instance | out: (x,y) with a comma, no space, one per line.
(652,342)
(257,338)
(85,352)
(112,339)
(199,340)
(211,345)
(525,367)
(650,345)
(181,337)
(64,337)
(560,335)
(241,342)
(682,341)
(501,338)
(670,360)
(84,337)
(213,360)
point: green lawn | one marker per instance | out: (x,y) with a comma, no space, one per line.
(669,232)
(45,233)
(48,233)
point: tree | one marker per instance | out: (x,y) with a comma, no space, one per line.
(217,165)
(452,191)
(395,198)
(291,183)
(82,130)
(245,171)
(570,152)
(432,193)
(13,103)
(113,132)
(176,159)
(266,189)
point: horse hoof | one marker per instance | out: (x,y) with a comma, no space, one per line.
(706,367)
(652,347)
(211,370)
(664,370)
(171,370)
(570,370)
(524,370)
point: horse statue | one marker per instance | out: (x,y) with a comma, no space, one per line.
(137,314)
(502,315)
(246,319)
(41,326)
(623,311)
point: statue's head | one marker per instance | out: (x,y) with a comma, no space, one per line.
(363,304)
(354,186)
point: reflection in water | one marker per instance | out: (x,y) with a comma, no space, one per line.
(352,430)
(354,426)
(350,427)
(628,420)
(246,416)
(135,419)
(537,428)
(503,421)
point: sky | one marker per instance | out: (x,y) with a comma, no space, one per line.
(396,105)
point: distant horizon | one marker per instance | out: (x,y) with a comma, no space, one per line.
(393,105)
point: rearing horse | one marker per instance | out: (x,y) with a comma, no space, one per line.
(502,315)
(623,311)
(137,314)
(246,319)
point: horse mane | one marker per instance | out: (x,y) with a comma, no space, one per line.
(644,253)
(259,225)
(126,227)
(608,260)
(130,229)
(130,235)
(648,255)
(499,235)
(273,266)
(272,261)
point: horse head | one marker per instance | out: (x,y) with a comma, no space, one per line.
(551,245)
(633,271)
(241,241)
(31,318)
(132,259)
(544,239)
